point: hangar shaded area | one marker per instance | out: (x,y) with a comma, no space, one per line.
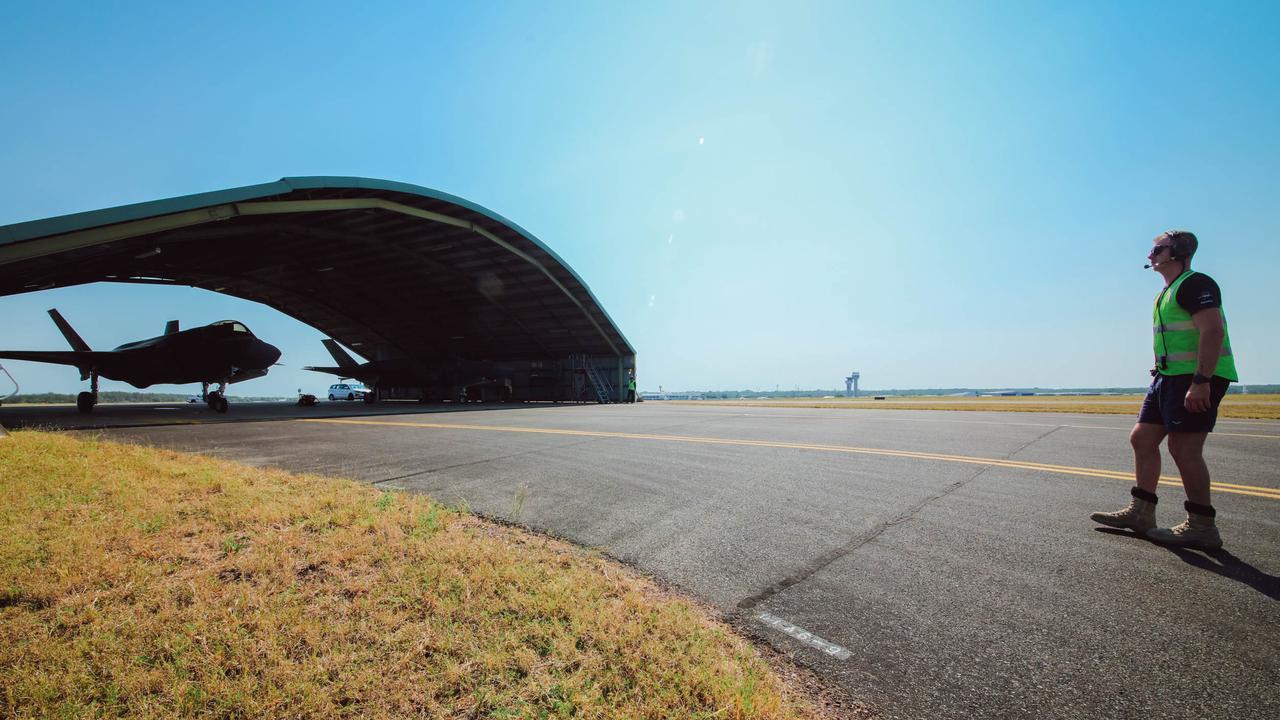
(392,271)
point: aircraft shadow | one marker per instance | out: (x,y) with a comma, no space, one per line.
(121,416)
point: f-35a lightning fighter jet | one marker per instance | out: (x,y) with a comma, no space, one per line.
(223,353)
(442,377)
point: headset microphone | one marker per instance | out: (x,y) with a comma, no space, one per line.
(1146,267)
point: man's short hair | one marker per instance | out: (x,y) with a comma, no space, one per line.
(1183,241)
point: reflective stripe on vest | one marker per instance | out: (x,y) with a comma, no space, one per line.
(1176,340)
(1192,356)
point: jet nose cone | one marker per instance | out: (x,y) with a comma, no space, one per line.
(267,354)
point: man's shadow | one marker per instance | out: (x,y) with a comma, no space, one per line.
(1220,562)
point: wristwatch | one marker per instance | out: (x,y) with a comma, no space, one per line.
(1199,379)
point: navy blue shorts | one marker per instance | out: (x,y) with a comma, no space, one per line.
(1163,405)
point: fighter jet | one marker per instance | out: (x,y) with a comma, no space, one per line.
(443,378)
(224,352)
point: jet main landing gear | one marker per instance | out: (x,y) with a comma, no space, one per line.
(86,400)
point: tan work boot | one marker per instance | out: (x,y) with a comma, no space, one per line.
(1140,516)
(1197,531)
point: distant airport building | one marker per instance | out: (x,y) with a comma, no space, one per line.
(650,395)
(389,270)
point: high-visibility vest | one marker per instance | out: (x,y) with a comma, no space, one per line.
(1176,339)
(631,384)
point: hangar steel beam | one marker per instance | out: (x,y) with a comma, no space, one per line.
(290,206)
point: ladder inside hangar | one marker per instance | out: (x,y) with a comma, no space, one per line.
(598,381)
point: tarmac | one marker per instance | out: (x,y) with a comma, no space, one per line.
(931,564)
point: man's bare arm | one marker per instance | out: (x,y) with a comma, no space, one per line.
(1212,333)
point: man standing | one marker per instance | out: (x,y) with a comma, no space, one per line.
(1193,369)
(631,386)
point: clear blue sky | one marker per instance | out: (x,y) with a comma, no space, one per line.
(760,194)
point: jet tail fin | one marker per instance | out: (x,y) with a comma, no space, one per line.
(340,356)
(171,327)
(68,332)
(339,371)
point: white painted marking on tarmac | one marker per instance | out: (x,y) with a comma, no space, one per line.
(803,636)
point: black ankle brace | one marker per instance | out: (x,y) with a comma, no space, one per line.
(1144,495)
(1198,509)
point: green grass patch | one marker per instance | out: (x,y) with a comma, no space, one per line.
(143,583)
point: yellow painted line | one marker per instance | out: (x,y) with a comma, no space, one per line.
(1214,433)
(1057,425)
(1255,491)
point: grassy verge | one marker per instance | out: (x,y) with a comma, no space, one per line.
(1258,407)
(144,583)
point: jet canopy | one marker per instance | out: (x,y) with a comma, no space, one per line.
(232,325)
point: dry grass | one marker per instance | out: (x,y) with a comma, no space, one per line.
(143,583)
(1261,407)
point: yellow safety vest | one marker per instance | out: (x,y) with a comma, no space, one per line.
(1176,339)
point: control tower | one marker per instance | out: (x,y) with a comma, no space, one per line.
(851,384)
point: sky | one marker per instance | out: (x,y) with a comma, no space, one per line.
(761,195)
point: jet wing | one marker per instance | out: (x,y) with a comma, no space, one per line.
(77,358)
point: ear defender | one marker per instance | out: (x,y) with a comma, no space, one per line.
(1182,245)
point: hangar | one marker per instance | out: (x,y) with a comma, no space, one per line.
(390,270)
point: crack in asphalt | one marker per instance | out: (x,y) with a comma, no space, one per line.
(856,542)
(1033,441)
(822,561)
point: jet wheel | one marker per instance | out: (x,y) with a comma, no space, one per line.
(217,402)
(85,402)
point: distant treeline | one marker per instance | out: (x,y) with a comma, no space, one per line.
(710,394)
(113,396)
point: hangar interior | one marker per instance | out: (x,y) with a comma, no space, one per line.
(482,308)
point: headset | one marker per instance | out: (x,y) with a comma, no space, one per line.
(1182,245)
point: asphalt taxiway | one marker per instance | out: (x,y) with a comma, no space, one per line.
(934,564)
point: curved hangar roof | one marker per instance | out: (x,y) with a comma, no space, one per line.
(383,267)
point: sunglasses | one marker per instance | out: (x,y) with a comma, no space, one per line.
(1157,250)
